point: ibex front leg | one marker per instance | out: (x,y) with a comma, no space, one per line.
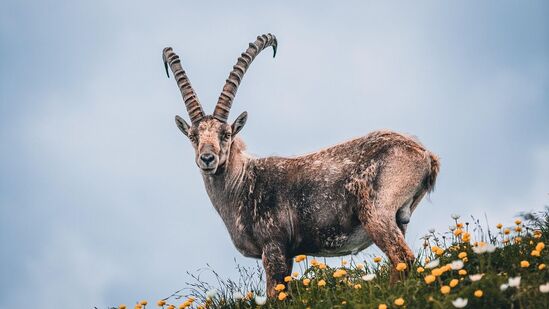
(277,265)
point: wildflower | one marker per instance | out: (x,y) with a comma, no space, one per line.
(161,303)
(518,229)
(462,272)
(138,306)
(456,265)
(191,299)
(432,264)
(260,300)
(287,278)
(499,225)
(540,246)
(321,266)
(382,306)
(445,289)
(476,277)
(368,277)
(401,266)
(453,283)
(460,302)
(122,307)
(514,282)
(541,266)
(339,273)
(517,240)
(306,281)
(524,264)
(282,296)
(360,266)
(466,237)
(544,288)
(503,287)
(143,303)
(506,231)
(300,258)
(518,222)
(399,301)
(280,287)
(377,259)
(420,269)
(535,253)
(357,286)
(436,272)
(458,232)
(462,254)
(321,283)
(537,234)
(343,262)
(295,274)
(455,216)
(314,262)
(430,279)
(478,293)
(238,296)
(183,305)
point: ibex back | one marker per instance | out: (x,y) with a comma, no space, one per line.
(333,202)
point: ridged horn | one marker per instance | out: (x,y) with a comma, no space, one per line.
(228,93)
(194,109)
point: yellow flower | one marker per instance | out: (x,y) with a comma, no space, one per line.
(306,281)
(440,251)
(377,259)
(138,306)
(458,232)
(517,240)
(462,255)
(524,264)
(360,266)
(321,283)
(462,272)
(287,279)
(161,303)
(518,229)
(499,225)
(465,259)
(420,269)
(459,225)
(445,289)
(314,262)
(478,293)
(339,273)
(540,246)
(537,234)
(171,307)
(280,287)
(295,274)
(453,283)
(506,231)
(466,237)
(191,299)
(382,306)
(122,307)
(436,272)
(430,279)
(535,253)
(282,296)
(249,295)
(517,222)
(343,262)
(401,266)
(183,306)
(321,266)
(399,301)
(300,258)
(541,266)
(143,303)
(344,302)
(357,286)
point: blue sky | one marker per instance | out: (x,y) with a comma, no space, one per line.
(100,200)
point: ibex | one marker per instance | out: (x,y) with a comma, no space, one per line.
(333,202)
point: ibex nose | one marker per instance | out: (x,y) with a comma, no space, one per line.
(207,158)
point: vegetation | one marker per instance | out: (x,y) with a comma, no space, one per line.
(464,267)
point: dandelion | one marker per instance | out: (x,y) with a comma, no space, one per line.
(466,237)
(306,281)
(420,269)
(339,273)
(518,222)
(463,254)
(506,231)
(300,258)
(260,300)
(540,246)
(368,277)
(161,303)
(357,286)
(287,279)
(476,277)
(535,253)
(360,266)
(462,272)
(514,282)
(321,283)
(518,229)
(456,265)
(401,266)
(430,279)
(499,225)
(524,264)
(503,287)
(432,264)
(382,306)
(377,259)
(399,301)
(321,266)
(544,288)
(280,287)
(282,296)
(460,302)
(458,232)
(478,293)
(455,216)
(445,289)
(541,266)
(436,272)
(453,283)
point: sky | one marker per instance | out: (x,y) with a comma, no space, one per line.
(101,202)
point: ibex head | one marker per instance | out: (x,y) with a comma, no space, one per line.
(211,135)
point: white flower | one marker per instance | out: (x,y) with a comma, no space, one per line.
(476,277)
(484,248)
(503,287)
(237,296)
(368,277)
(490,248)
(455,216)
(514,282)
(432,264)
(211,293)
(459,302)
(457,264)
(544,288)
(260,300)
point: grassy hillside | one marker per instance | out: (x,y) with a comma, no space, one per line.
(464,267)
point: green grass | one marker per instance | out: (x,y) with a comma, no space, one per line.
(350,290)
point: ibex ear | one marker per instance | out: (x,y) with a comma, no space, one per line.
(182,125)
(239,123)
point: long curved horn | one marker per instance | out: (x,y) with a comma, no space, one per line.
(194,109)
(226,98)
